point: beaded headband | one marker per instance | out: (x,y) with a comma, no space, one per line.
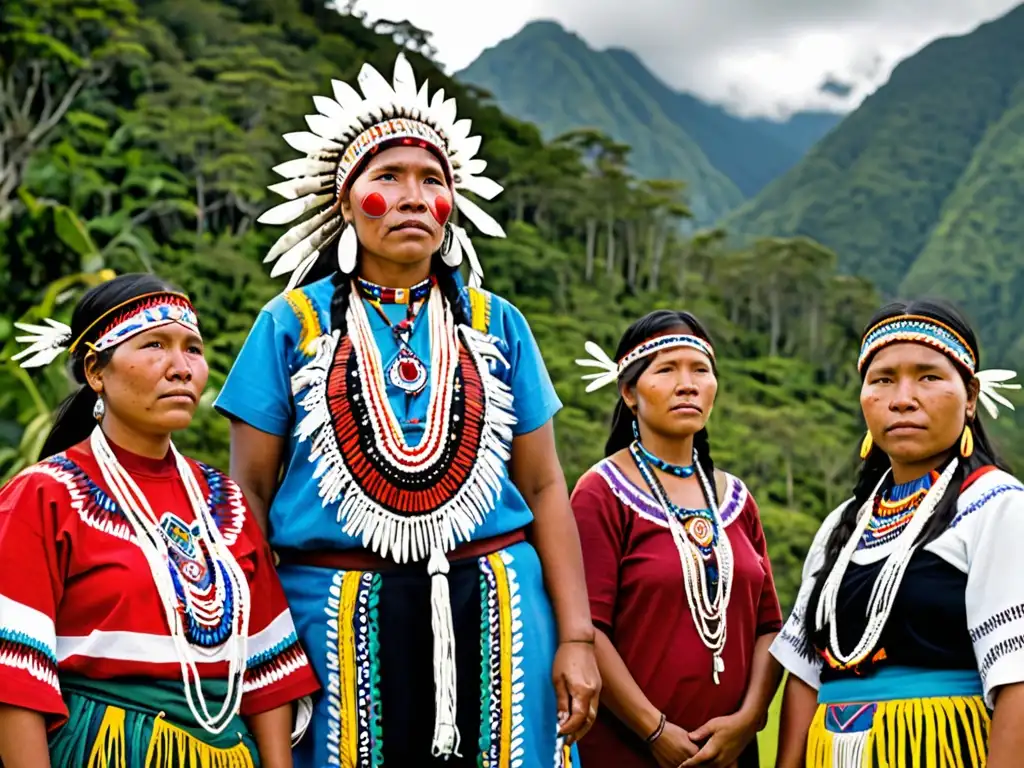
(610,370)
(345,131)
(920,329)
(120,323)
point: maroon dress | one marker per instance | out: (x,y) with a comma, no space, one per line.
(635,582)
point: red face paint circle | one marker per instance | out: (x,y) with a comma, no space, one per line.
(442,209)
(374,205)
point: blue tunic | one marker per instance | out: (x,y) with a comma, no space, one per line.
(346,619)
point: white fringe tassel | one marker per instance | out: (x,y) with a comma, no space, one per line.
(446,732)
(848,749)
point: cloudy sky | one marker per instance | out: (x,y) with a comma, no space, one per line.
(765,57)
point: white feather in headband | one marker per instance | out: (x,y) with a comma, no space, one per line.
(989,382)
(46,342)
(344,130)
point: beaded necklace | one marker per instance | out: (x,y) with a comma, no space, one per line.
(667,467)
(894,509)
(705,554)
(153,543)
(406,372)
(887,584)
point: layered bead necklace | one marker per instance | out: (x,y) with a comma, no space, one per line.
(704,551)
(883,594)
(894,509)
(406,372)
(153,543)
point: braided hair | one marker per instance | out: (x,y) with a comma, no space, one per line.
(877,463)
(653,324)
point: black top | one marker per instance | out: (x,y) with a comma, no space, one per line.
(928,623)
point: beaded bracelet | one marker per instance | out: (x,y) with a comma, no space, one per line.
(657,731)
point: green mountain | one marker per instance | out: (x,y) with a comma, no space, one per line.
(552,78)
(920,189)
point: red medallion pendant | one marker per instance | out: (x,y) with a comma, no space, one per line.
(408,372)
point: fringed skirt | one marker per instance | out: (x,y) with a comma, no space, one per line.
(901,717)
(143,724)
(369,636)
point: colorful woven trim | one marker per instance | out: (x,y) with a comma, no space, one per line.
(921,330)
(355,735)
(153,312)
(662,343)
(610,370)
(385,295)
(501,640)
(400,130)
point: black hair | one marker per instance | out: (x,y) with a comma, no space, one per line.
(657,323)
(877,463)
(74,420)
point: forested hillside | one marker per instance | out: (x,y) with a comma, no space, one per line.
(920,189)
(554,79)
(139,135)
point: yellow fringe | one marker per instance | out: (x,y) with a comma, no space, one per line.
(479,307)
(168,746)
(171,746)
(109,751)
(349,724)
(505,633)
(308,319)
(925,725)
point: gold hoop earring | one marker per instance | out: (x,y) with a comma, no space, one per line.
(866,445)
(967,441)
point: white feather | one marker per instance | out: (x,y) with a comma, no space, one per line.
(294,257)
(423,97)
(304,166)
(347,96)
(459,132)
(374,87)
(998,374)
(328,128)
(310,143)
(329,107)
(482,186)
(475,269)
(404,80)
(288,212)
(469,147)
(474,167)
(447,113)
(601,381)
(298,233)
(600,356)
(45,342)
(437,101)
(304,185)
(480,218)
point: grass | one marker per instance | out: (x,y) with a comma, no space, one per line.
(767,740)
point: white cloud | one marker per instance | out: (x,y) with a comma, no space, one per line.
(764,57)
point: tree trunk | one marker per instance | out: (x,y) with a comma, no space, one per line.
(775,319)
(200,204)
(633,255)
(591,247)
(609,223)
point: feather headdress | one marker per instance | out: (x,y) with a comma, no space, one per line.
(341,134)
